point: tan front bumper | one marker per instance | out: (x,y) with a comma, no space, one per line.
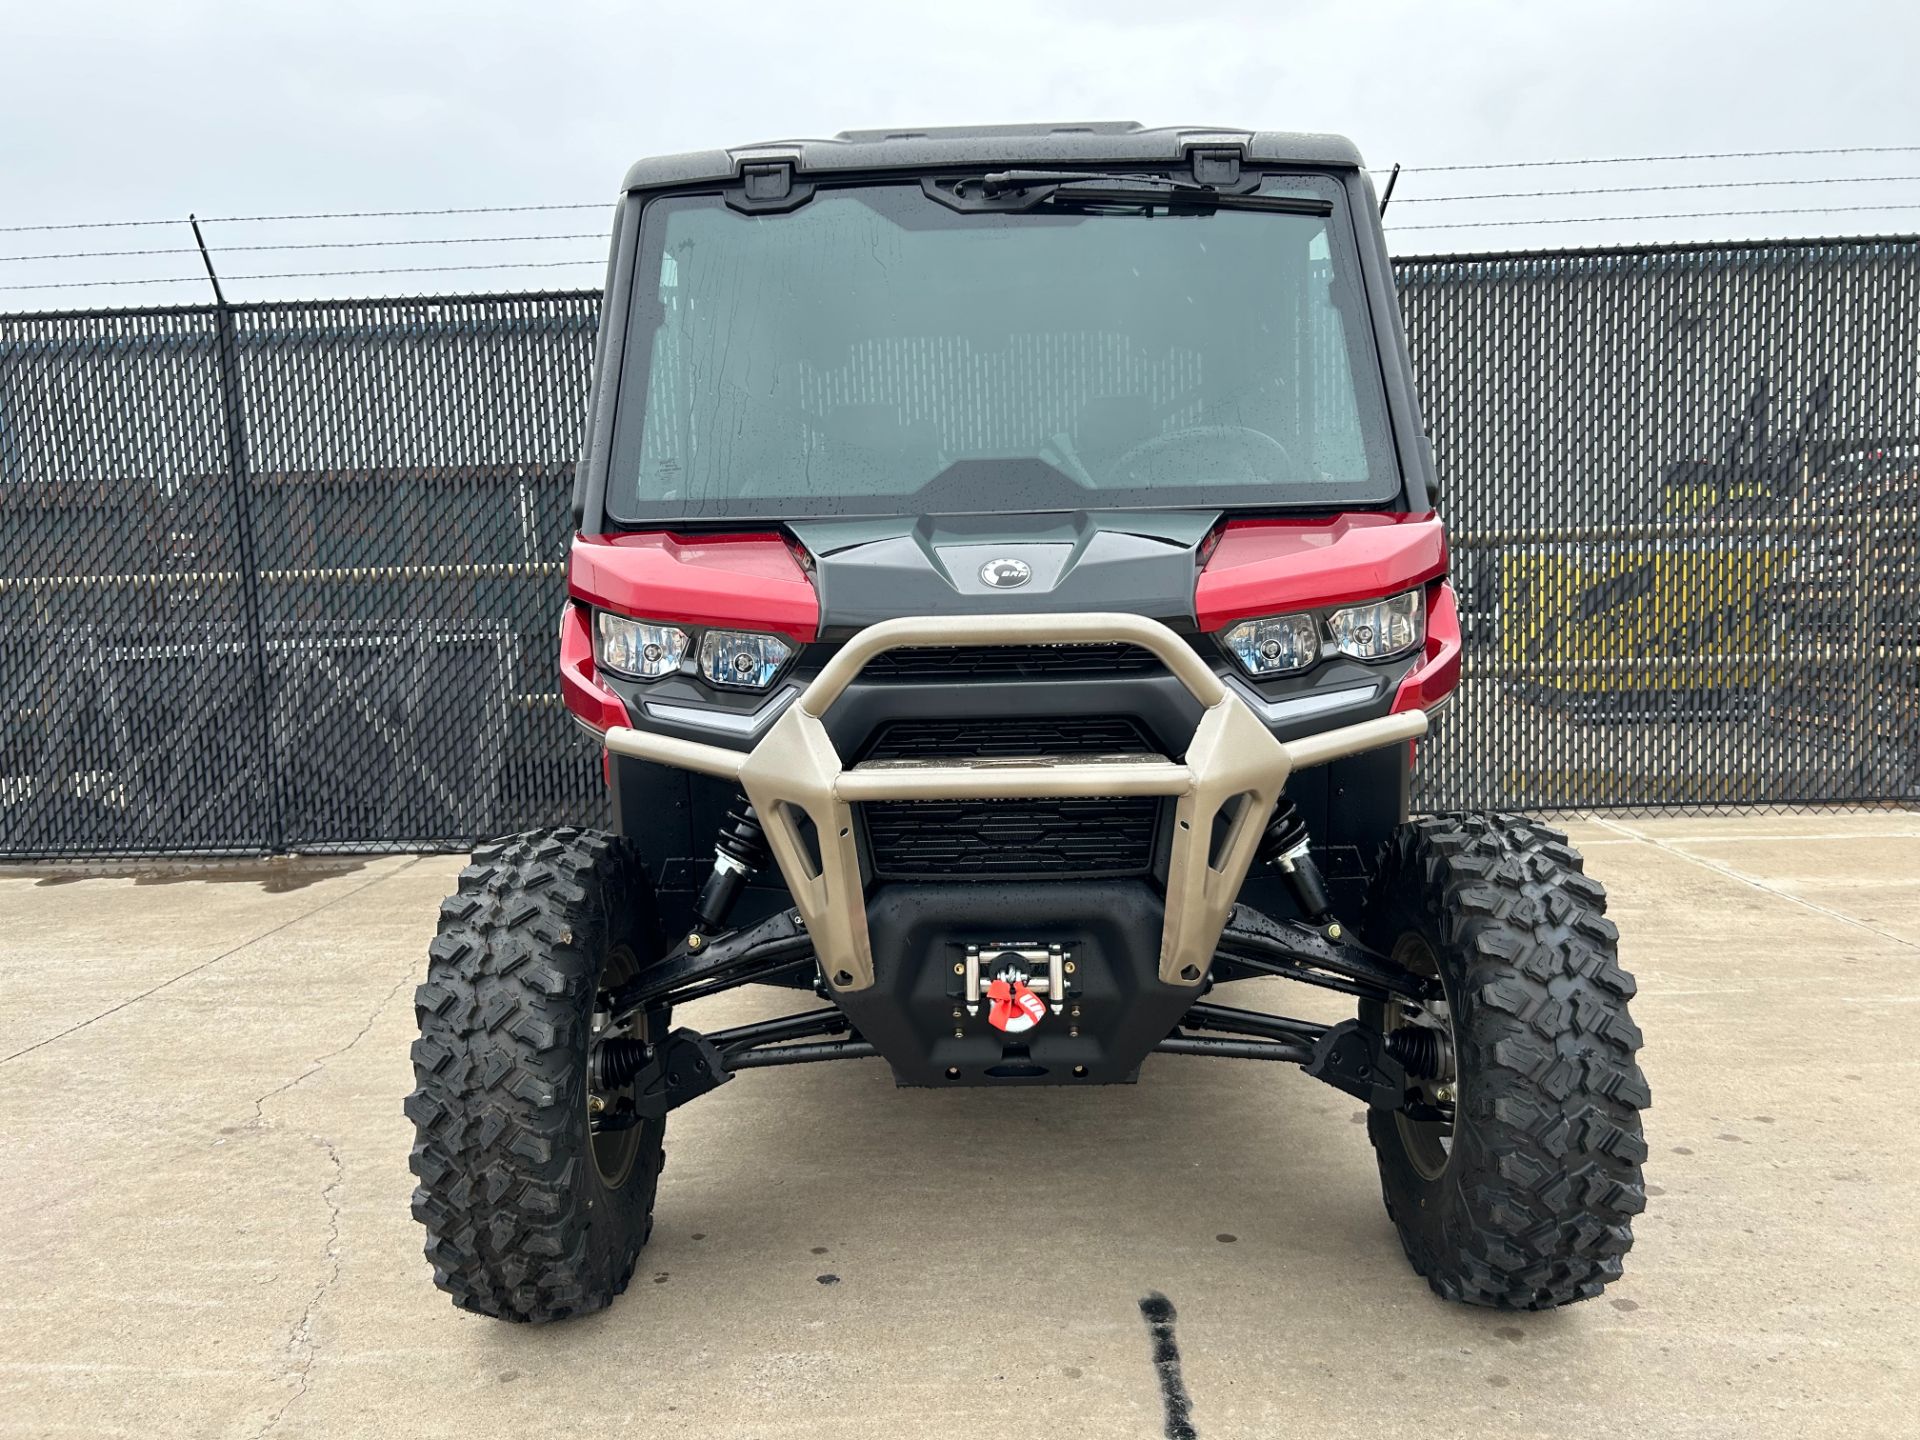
(1233,763)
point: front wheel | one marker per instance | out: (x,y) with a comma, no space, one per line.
(1514,1180)
(536,1188)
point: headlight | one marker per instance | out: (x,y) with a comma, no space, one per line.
(1278,645)
(636,649)
(1383,629)
(742,659)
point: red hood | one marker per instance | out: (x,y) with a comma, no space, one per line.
(744,582)
(1268,567)
(1253,568)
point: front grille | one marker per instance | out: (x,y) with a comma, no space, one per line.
(1010,662)
(1009,737)
(1011,839)
(1053,839)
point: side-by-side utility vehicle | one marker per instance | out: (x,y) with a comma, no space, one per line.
(1009,599)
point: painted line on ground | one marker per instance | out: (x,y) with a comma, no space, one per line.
(1159,1314)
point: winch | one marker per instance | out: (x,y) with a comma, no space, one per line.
(1013,977)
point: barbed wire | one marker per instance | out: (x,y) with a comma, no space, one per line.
(604,204)
(1660,159)
(310,215)
(599,261)
(428,269)
(600,235)
(301,246)
(1655,189)
(1667,215)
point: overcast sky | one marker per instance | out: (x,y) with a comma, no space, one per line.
(135,111)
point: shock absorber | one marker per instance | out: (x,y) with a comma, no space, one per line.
(1286,845)
(739,850)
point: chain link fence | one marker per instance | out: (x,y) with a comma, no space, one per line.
(1683,491)
(285,576)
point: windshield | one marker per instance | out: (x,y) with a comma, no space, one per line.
(876,352)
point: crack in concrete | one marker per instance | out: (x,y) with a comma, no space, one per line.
(301,1350)
(204,964)
(319,1062)
(1731,873)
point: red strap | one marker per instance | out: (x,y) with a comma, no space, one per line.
(1015,1007)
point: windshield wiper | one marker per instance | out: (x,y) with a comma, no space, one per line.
(1000,182)
(1066,189)
(1072,196)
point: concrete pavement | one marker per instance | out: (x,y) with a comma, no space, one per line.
(204,1189)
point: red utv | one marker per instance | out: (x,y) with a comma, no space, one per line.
(1009,596)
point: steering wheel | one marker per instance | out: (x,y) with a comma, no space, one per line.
(1170,458)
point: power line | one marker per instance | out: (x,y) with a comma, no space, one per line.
(1654,159)
(313,215)
(1653,189)
(305,274)
(307,245)
(1671,215)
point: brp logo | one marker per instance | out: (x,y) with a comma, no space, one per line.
(1006,574)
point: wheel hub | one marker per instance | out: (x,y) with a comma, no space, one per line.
(1419,1034)
(612,1119)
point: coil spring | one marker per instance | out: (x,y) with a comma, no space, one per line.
(1421,1050)
(741,837)
(1286,830)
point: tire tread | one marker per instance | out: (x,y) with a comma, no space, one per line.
(1545,1178)
(499,1085)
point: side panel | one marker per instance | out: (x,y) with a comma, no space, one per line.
(671,818)
(1351,806)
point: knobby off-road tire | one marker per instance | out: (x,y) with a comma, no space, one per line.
(525,1219)
(1530,1204)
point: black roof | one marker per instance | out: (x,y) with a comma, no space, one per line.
(1112,142)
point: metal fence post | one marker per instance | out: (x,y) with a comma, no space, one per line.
(240,473)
